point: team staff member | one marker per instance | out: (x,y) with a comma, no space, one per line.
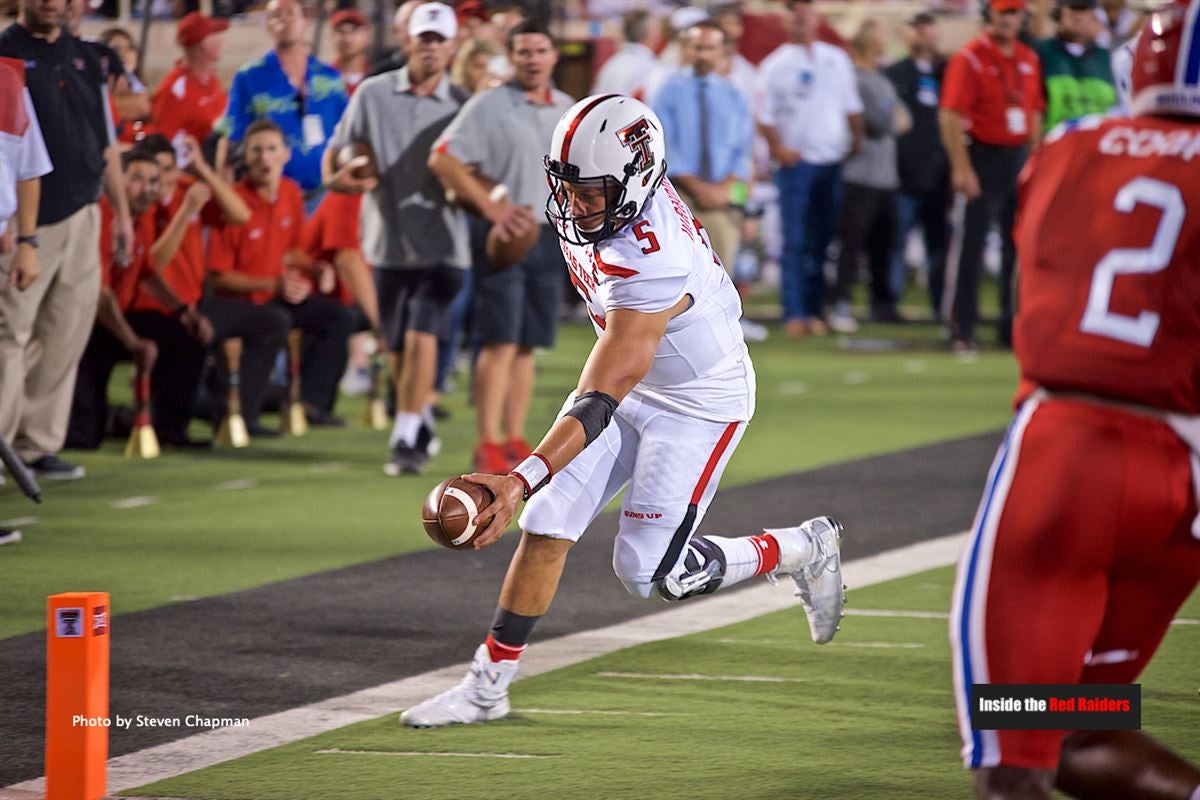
(416,241)
(504,134)
(1077,71)
(190,100)
(991,114)
(112,337)
(54,315)
(351,37)
(304,97)
(262,262)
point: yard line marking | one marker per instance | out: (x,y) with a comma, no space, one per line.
(239,483)
(887,612)
(597,711)
(338,752)
(915,367)
(694,676)
(134,502)
(222,744)
(855,377)
(863,645)
(17,522)
(1185,621)
(793,387)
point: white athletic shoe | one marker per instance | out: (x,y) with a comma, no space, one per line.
(810,553)
(481,696)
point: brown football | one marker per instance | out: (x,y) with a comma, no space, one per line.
(501,254)
(449,509)
(362,151)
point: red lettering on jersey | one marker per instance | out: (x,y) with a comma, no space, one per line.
(584,283)
(644,234)
(681,210)
(612,269)
(599,320)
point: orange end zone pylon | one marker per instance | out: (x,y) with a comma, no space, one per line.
(77,633)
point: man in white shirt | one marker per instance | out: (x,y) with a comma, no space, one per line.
(23,161)
(634,68)
(811,115)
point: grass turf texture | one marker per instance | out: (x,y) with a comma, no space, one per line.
(852,719)
(321,501)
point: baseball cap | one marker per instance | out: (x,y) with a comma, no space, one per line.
(351,15)
(922,18)
(433,18)
(194,27)
(1082,5)
(1007,5)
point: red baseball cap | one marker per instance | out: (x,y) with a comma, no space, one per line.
(194,27)
(351,15)
(1000,6)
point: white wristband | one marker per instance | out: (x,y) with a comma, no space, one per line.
(534,472)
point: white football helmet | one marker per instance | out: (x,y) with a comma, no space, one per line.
(609,141)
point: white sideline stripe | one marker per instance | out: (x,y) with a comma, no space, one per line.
(239,483)
(855,377)
(17,522)
(1185,621)
(887,612)
(597,712)
(862,645)
(695,676)
(134,502)
(337,752)
(222,744)
(793,387)
(915,367)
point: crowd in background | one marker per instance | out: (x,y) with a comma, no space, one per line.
(356,204)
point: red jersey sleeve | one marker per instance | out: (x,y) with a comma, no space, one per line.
(222,247)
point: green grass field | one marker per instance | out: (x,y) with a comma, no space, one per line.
(202,525)
(870,715)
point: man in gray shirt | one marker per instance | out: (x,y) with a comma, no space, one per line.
(868,210)
(414,238)
(503,134)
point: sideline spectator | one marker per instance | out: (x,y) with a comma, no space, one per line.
(1118,24)
(112,337)
(868,223)
(190,100)
(351,38)
(709,133)
(127,95)
(735,67)
(991,116)
(416,241)
(261,263)
(54,315)
(1076,71)
(811,116)
(504,134)
(176,289)
(924,169)
(632,69)
(289,86)
(475,66)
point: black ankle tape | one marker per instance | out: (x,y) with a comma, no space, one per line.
(512,629)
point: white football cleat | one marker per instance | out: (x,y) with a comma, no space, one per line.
(810,553)
(481,696)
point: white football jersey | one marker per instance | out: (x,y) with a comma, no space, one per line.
(702,367)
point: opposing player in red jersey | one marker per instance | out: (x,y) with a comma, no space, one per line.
(1088,539)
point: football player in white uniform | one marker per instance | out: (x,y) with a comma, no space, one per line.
(659,409)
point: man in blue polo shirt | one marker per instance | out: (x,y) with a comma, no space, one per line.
(288,85)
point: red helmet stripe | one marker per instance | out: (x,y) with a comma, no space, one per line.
(570,134)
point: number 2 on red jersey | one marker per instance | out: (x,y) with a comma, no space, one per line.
(1098,319)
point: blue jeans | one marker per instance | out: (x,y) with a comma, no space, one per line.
(810,198)
(929,210)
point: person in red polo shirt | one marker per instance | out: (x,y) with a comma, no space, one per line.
(262,263)
(991,115)
(112,336)
(191,99)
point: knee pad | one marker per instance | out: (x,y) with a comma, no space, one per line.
(699,571)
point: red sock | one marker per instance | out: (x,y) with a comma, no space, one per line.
(768,553)
(507,652)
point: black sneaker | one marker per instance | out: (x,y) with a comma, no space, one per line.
(405,460)
(320,419)
(257,431)
(54,468)
(428,441)
(9,536)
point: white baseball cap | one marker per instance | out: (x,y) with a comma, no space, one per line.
(433,18)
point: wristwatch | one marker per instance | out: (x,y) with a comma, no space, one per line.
(32,241)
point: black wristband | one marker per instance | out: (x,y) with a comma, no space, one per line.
(594,410)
